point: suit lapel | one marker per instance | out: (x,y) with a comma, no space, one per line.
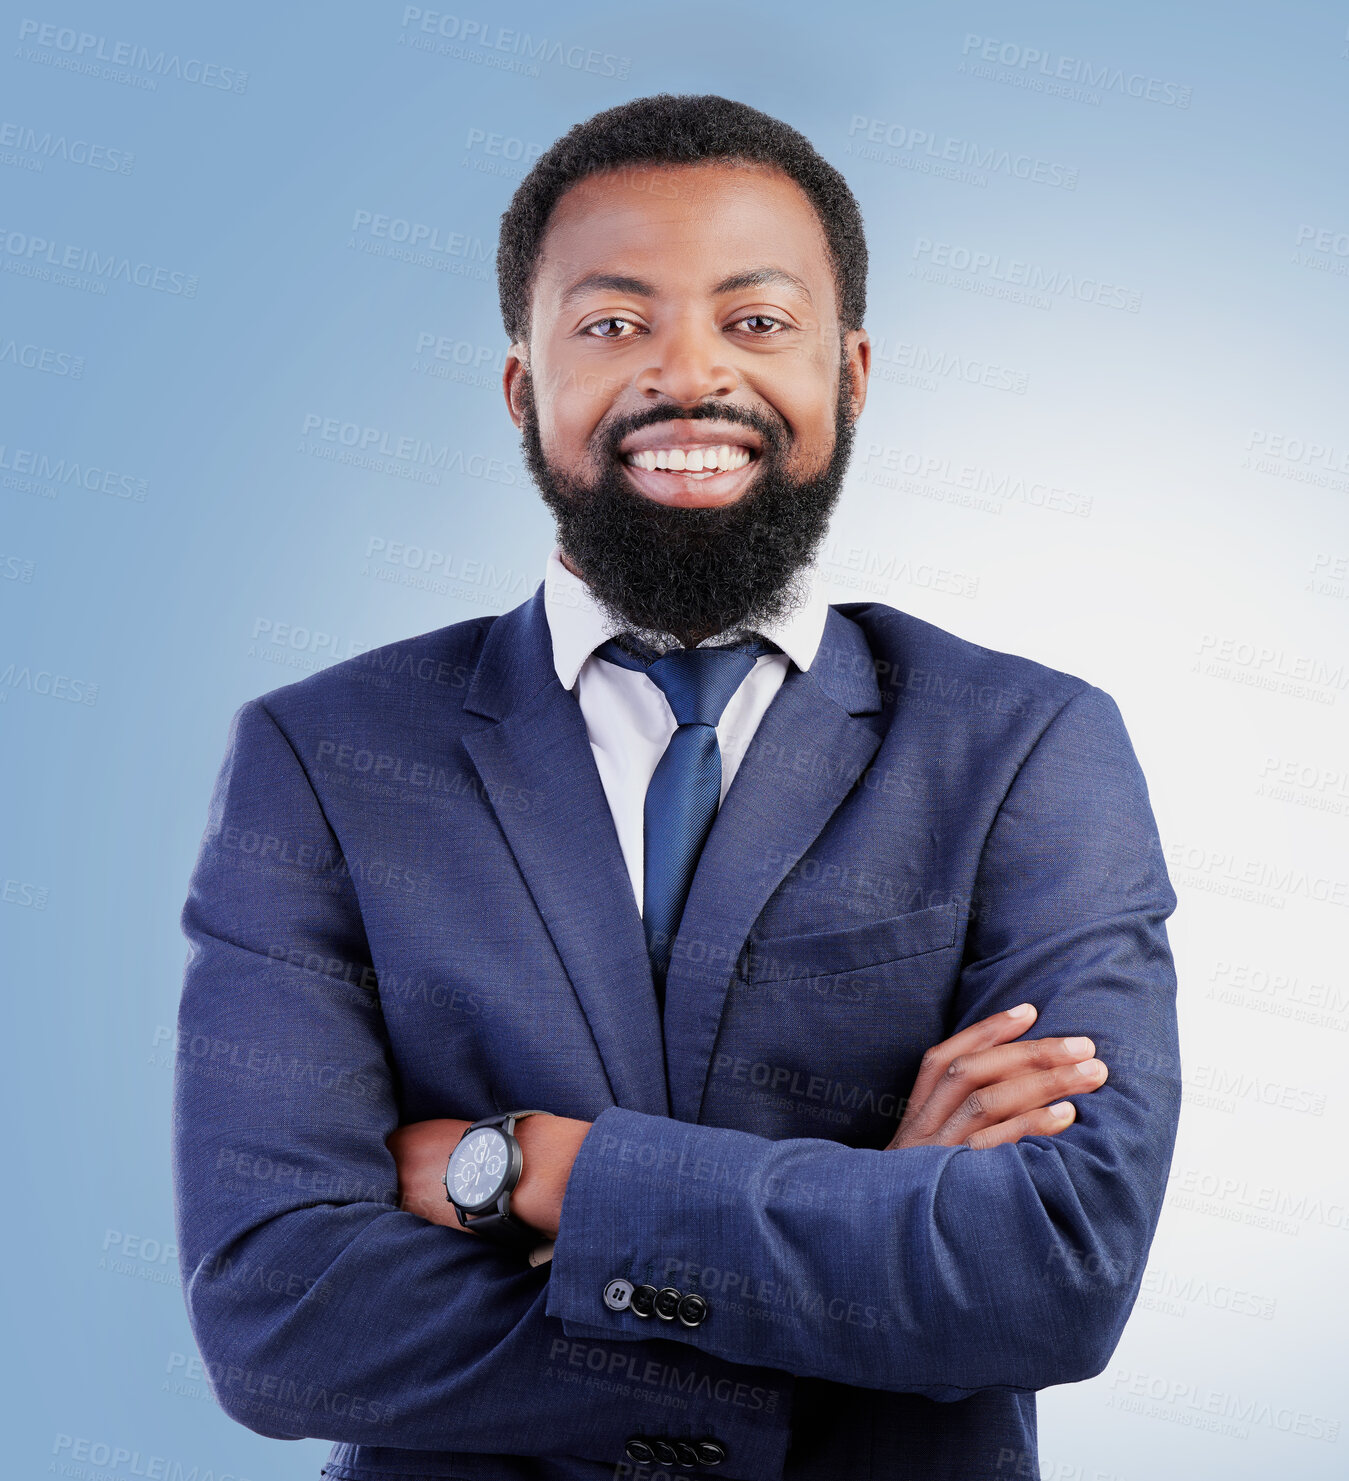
(815,740)
(540,777)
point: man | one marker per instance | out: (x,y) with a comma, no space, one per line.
(756,897)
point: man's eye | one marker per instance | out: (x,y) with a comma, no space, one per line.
(612,319)
(762,319)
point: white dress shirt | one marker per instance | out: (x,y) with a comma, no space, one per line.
(627,716)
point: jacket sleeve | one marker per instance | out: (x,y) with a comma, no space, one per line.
(938,1270)
(322,1309)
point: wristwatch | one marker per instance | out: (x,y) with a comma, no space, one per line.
(482,1171)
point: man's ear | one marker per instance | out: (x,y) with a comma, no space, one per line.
(857,350)
(512,380)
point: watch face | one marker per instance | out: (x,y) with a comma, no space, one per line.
(477,1169)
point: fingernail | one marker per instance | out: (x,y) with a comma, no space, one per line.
(1079,1048)
(1090,1069)
(1062,1111)
(1022,1010)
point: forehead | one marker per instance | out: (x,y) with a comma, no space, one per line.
(682,228)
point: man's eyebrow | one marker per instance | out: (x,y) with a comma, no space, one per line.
(754,277)
(763,277)
(612,282)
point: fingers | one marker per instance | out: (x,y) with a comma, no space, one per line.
(985,1034)
(990,1105)
(968,1074)
(1046,1121)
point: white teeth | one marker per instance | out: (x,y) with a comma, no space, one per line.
(696,460)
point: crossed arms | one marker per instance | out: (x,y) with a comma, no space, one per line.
(997,1257)
(975,1089)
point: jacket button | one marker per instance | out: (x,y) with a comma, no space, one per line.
(664,1452)
(642,1301)
(667,1302)
(710,1452)
(638,1449)
(692,1310)
(617,1294)
(685,1454)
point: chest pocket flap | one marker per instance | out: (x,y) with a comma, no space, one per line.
(824,953)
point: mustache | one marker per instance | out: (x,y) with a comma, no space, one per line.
(772,430)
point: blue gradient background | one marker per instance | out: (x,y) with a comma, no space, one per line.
(1202,580)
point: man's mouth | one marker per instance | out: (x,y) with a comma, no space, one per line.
(697,463)
(699,478)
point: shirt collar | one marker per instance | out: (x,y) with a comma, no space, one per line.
(579,624)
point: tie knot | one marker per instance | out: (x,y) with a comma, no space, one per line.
(697,682)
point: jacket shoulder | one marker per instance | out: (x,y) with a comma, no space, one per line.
(918,662)
(406,677)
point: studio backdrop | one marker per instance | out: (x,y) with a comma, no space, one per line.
(251,424)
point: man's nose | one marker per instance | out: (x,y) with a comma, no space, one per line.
(687,363)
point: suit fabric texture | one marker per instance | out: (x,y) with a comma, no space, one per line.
(410,902)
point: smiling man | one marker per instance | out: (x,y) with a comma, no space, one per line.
(619,1008)
(702,400)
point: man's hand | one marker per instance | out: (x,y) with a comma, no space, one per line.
(548,1143)
(979,1089)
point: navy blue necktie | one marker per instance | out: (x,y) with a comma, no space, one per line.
(685,789)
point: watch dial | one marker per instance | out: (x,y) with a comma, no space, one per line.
(478,1168)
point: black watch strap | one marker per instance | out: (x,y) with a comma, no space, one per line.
(506,1229)
(508,1120)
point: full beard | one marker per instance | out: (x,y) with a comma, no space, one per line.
(692,573)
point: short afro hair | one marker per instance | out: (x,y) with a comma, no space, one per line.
(676,129)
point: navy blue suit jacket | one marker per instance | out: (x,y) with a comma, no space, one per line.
(410,902)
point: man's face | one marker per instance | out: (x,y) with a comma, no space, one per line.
(687,314)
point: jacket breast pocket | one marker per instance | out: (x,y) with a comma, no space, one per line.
(822,1033)
(894,938)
